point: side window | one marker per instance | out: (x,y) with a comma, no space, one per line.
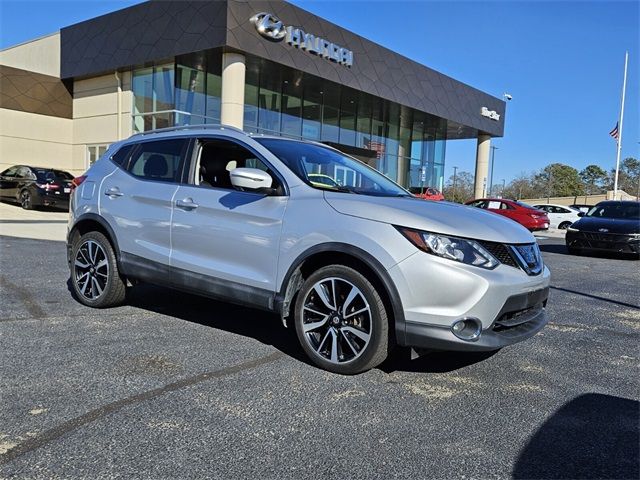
(24,172)
(563,210)
(159,160)
(10,172)
(217,158)
(122,155)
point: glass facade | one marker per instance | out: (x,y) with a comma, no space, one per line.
(404,144)
(184,92)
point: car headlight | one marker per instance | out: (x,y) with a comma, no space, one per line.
(453,248)
(571,229)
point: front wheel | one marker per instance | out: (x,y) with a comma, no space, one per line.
(94,272)
(573,250)
(341,321)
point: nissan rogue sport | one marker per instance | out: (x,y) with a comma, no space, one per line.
(357,264)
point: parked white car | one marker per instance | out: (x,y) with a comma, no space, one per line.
(560,216)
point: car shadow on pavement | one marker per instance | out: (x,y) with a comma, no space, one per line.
(266,328)
(592,436)
(431,361)
(262,326)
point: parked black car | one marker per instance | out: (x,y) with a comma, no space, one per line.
(612,226)
(34,187)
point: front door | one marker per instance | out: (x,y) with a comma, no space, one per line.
(229,236)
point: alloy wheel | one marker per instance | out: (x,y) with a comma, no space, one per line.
(336,320)
(25,200)
(91,267)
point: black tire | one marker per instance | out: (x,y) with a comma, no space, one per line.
(362,355)
(109,289)
(26,200)
(564,225)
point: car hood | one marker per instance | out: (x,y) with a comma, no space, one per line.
(613,225)
(439,217)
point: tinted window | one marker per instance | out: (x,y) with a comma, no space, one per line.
(24,172)
(10,172)
(49,175)
(159,160)
(122,155)
(630,211)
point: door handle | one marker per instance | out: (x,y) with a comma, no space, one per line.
(186,204)
(113,192)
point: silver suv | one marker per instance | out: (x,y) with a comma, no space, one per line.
(353,260)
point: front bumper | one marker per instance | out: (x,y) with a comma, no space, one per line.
(610,242)
(436,292)
(521,317)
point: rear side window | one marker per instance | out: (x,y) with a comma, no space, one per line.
(159,160)
(122,155)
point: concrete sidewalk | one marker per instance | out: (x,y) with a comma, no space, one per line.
(38,224)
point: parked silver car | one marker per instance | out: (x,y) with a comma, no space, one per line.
(357,265)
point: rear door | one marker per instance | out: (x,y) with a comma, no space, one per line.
(230,237)
(136,200)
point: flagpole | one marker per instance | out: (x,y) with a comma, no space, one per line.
(624,88)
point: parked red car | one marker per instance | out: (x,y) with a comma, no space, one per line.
(427,193)
(524,214)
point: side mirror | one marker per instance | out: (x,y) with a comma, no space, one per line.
(581,214)
(250,178)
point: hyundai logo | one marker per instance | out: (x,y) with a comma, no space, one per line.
(272,28)
(603,230)
(269,26)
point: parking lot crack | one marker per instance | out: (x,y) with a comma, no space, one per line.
(24,296)
(48,436)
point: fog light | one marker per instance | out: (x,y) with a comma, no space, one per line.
(467,329)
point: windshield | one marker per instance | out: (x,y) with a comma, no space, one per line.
(526,205)
(628,211)
(327,169)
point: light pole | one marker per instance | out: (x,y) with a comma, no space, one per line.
(455,171)
(503,184)
(493,154)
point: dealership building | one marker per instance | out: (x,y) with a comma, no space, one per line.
(265,67)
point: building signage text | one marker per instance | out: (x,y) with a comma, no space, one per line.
(272,28)
(492,114)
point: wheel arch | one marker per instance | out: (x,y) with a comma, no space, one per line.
(92,222)
(334,253)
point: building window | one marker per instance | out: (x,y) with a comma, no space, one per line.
(186,92)
(94,152)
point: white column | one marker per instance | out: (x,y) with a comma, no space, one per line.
(482,165)
(232,101)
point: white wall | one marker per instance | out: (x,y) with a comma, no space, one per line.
(41,55)
(39,140)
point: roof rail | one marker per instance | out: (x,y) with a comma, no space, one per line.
(203,126)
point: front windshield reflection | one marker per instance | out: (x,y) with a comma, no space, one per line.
(328,169)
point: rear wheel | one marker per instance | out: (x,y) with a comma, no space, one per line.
(564,225)
(94,272)
(26,201)
(341,321)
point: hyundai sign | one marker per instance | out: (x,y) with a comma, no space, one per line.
(272,28)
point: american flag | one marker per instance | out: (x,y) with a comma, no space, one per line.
(615,133)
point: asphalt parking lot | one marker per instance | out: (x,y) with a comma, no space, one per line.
(176,386)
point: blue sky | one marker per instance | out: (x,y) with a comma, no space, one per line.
(561,61)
